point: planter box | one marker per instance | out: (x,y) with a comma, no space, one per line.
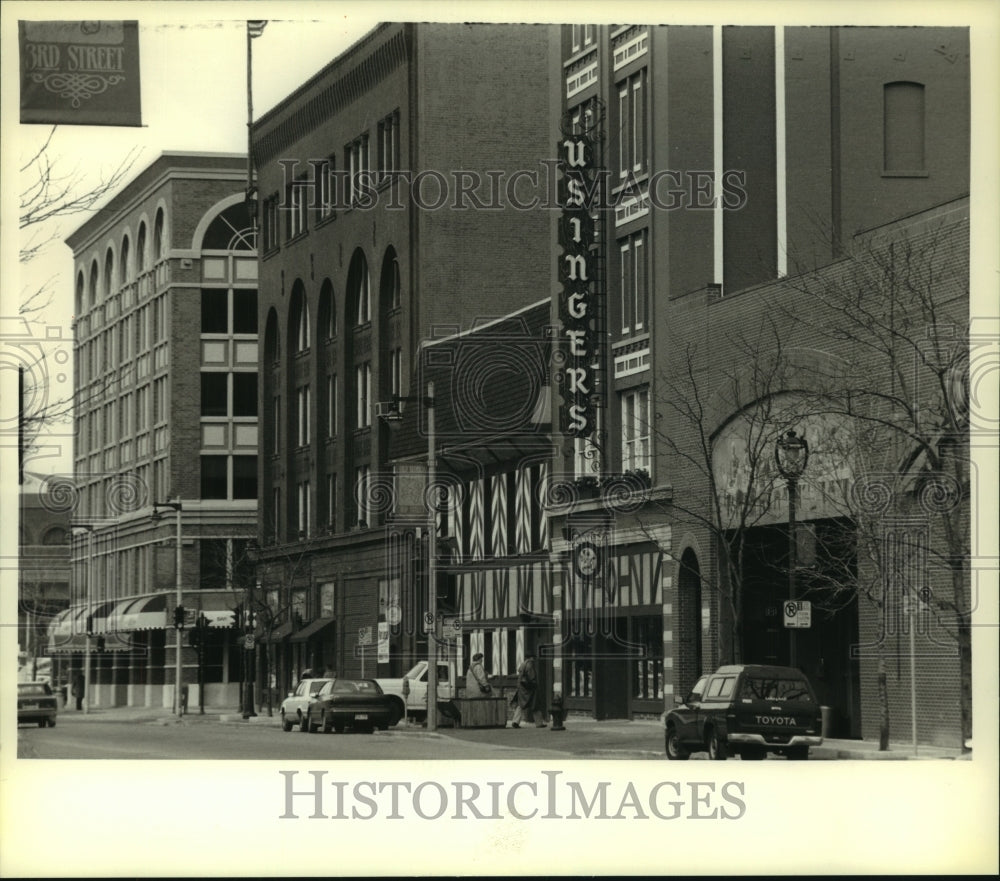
(482,712)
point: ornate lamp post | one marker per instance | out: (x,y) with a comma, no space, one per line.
(179,608)
(791,453)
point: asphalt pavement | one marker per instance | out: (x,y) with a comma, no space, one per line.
(584,737)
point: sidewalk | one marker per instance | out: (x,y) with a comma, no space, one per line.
(584,736)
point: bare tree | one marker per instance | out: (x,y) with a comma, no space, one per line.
(897,307)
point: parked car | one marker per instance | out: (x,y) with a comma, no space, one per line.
(746,709)
(295,707)
(351,703)
(36,703)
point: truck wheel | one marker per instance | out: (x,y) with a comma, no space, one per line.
(52,722)
(674,750)
(717,749)
(286,723)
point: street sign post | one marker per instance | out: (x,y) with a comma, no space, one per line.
(364,639)
(798,613)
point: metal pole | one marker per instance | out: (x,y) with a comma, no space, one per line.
(179,670)
(913,669)
(431,567)
(792,563)
(86,653)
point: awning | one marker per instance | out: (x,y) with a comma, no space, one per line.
(218,618)
(279,633)
(145,613)
(99,617)
(311,629)
(114,621)
(65,628)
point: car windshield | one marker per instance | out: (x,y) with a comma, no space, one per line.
(33,688)
(771,688)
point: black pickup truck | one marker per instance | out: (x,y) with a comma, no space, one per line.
(746,709)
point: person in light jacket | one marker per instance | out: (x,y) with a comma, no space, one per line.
(476,683)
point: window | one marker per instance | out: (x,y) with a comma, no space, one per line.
(634,283)
(276,411)
(214,394)
(140,249)
(244,394)
(245,311)
(582,36)
(214,311)
(302,401)
(331,406)
(358,167)
(160,400)
(388,146)
(123,263)
(109,272)
(214,479)
(363,381)
(142,408)
(160,319)
(324,189)
(361,290)
(270,223)
(395,371)
(632,125)
(635,429)
(647,631)
(244,477)
(304,509)
(302,332)
(331,502)
(296,200)
(362,485)
(158,236)
(904,128)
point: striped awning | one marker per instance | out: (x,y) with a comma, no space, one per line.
(68,635)
(144,613)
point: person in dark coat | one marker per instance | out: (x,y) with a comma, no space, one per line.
(527,694)
(78,690)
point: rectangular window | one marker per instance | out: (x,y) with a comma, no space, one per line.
(304,509)
(160,400)
(635,429)
(214,310)
(331,406)
(160,319)
(142,408)
(245,311)
(302,401)
(633,281)
(363,378)
(388,146)
(214,394)
(331,502)
(297,207)
(647,678)
(358,168)
(632,139)
(244,394)
(324,189)
(214,477)
(244,477)
(362,479)
(270,223)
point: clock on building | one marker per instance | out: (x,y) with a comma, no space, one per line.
(586,559)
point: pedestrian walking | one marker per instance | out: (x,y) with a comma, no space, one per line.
(527,694)
(476,683)
(78,690)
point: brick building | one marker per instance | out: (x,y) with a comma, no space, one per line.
(726,186)
(369,178)
(166,388)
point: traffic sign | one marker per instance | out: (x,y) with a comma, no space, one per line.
(393,614)
(451,627)
(364,635)
(428,622)
(798,613)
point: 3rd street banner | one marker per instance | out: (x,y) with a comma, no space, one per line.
(80,72)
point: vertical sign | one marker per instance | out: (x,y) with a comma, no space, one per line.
(80,72)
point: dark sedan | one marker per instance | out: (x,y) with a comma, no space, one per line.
(36,703)
(352,703)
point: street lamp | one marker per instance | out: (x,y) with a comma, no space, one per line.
(249,641)
(791,453)
(390,413)
(87,597)
(156,516)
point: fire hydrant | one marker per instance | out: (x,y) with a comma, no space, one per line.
(558,713)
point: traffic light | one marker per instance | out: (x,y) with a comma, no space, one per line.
(237,617)
(179,617)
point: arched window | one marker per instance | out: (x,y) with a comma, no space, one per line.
(359,289)
(140,249)
(230,230)
(298,320)
(389,293)
(80,290)
(158,236)
(904,127)
(123,267)
(109,272)
(92,291)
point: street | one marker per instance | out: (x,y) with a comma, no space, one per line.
(193,738)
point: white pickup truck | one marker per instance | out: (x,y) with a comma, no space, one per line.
(411,698)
